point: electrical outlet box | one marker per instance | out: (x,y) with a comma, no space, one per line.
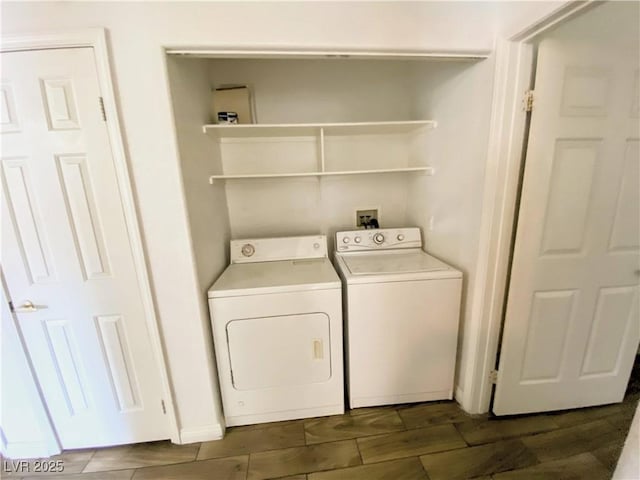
(364,217)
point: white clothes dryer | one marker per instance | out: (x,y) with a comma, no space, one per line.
(401,309)
(277,329)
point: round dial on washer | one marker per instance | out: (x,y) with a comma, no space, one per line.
(248,250)
(357,239)
(345,240)
(378,238)
(400,237)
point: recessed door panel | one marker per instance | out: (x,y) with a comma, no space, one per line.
(118,359)
(280,351)
(60,103)
(26,217)
(8,115)
(625,234)
(569,195)
(67,364)
(611,322)
(81,210)
(586,91)
(551,312)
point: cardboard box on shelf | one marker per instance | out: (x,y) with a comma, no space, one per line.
(232,99)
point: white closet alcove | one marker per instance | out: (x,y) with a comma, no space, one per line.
(404,133)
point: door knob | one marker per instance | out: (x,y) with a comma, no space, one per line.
(28,307)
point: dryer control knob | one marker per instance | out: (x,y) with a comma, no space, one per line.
(248,250)
(345,240)
(357,239)
(378,238)
(400,237)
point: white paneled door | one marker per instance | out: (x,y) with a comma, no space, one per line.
(572,328)
(67,256)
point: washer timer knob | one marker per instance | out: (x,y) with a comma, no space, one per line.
(400,237)
(378,238)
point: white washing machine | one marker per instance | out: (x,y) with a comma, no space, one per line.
(276,313)
(401,308)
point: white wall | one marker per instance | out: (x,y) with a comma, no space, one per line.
(137,33)
(321,90)
(448,205)
(306,91)
(206,204)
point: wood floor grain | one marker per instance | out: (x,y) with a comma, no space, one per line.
(344,427)
(230,468)
(425,415)
(73,461)
(241,442)
(261,426)
(359,411)
(405,469)
(141,455)
(555,444)
(584,415)
(579,467)
(597,433)
(477,432)
(569,441)
(608,455)
(403,442)
(112,475)
(312,458)
(473,462)
(410,443)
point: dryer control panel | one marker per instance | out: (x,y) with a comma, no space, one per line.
(378,239)
(276,249)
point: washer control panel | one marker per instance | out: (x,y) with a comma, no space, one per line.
(378,239)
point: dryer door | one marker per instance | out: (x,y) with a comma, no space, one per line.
(281,351)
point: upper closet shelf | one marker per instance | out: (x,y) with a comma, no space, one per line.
(311,129)
(428,55)
(425,169)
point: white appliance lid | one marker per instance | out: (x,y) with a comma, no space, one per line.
(388,263)
(275,277)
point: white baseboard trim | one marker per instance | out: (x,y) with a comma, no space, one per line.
(18,450)
(201,434)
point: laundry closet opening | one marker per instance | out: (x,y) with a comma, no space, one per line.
(404,137)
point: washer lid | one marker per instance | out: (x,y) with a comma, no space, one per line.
(389,263)
(275,277)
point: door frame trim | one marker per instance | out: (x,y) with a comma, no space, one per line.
(96,38)
(513,76)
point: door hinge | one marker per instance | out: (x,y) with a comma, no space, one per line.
(11,309)
(493,376)
(102,110)
(527,102)
(164,408)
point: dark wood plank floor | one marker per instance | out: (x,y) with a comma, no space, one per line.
(425,441)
